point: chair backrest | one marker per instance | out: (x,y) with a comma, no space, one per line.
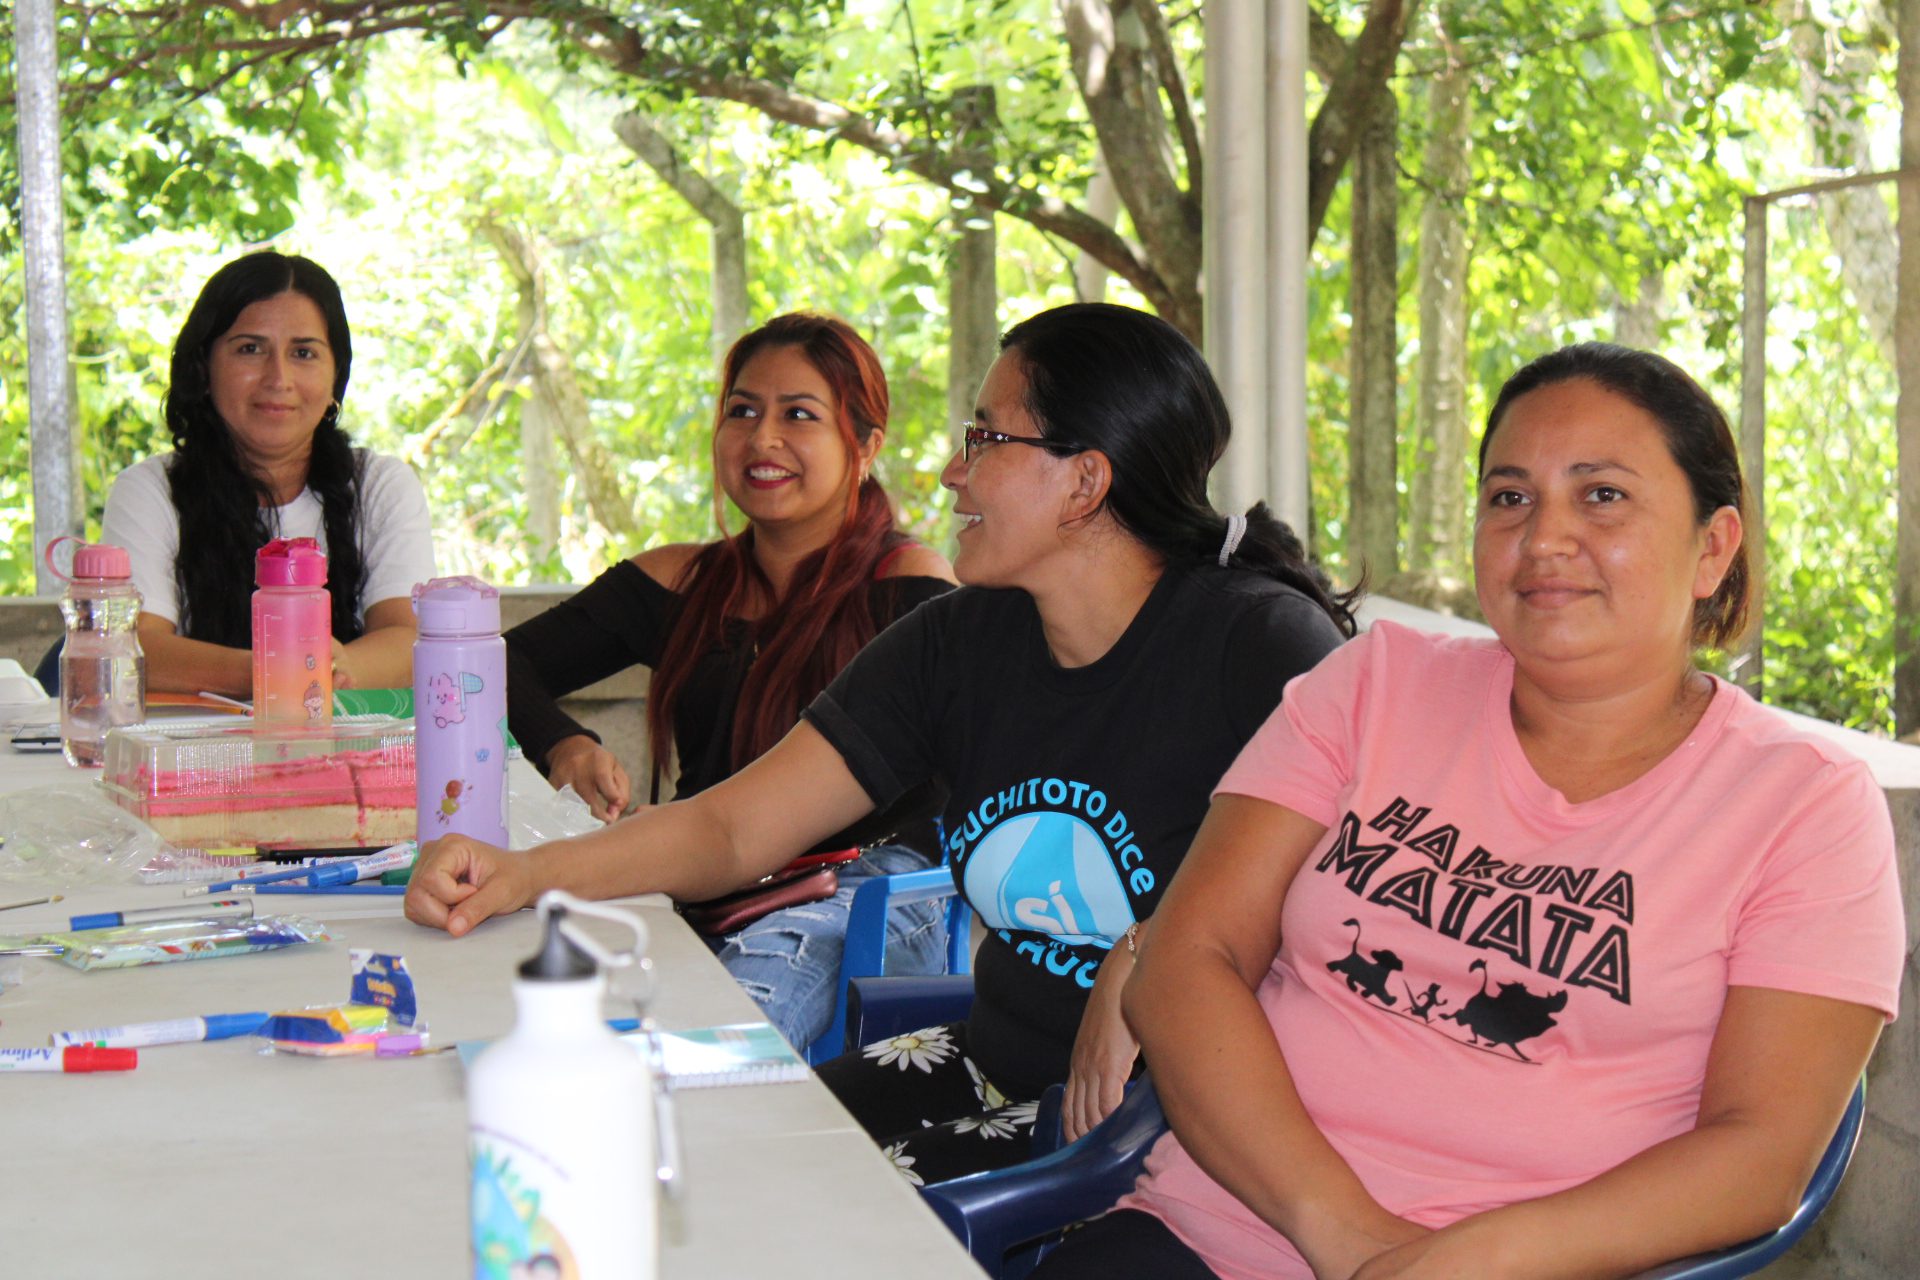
(866,951)
(991,1213)
(1747,1258)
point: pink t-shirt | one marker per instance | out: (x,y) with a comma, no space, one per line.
(1486,994)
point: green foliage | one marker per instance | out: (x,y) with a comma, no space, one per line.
(1612,145)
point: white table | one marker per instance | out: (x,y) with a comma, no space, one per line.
(213,1156)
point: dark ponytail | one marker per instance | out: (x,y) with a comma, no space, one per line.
(1130,385)
(221,503)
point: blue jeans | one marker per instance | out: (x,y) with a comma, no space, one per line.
(789,960)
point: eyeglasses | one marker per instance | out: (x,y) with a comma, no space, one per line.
(973,439)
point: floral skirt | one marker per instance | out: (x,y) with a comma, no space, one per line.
(924,1101)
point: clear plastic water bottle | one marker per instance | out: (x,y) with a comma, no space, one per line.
(292,634)
(460,710)
(562,1120)
(103,673)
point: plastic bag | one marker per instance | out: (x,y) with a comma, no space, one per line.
(71,833)
(165,941)
(536,813)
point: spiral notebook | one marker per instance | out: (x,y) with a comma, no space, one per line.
(716,1057)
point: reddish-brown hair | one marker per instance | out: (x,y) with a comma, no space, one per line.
(807,636)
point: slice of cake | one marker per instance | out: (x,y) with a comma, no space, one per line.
(207,786)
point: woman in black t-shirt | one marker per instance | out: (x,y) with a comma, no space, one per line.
(743,632)
(1117,642)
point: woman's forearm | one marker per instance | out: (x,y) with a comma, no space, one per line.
(380,659)
(1200,1028)
(728,836)
(176,664)
(1777,1081)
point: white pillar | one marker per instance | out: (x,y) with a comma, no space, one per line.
(1256,248)
(49,406)
(1235,229)
(1286,270)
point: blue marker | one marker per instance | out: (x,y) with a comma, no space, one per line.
(138,1035)
(339,871)
(349,872)
(226,908)
(395,890)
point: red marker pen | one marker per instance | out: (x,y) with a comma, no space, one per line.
(75,1057)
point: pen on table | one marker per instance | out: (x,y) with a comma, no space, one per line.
(341,871)
(209,879)
(391,890)
(73,1058)
(135,1035)
(224,909)
(32,902)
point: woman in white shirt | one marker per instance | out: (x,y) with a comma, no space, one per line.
(259,372)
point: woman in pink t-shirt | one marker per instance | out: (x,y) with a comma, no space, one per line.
(1546,956)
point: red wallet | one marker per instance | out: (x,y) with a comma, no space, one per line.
(808,878)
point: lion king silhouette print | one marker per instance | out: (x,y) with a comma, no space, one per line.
(1492,1020)
(1514,1015)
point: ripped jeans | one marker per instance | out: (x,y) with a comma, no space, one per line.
(789,960)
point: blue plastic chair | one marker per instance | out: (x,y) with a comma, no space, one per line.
(994,1214)
(866,953)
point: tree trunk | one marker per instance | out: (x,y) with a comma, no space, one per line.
(1373,510)
(1906,588)
(1115,64)
(1833,79)
(1638,323)
(554,384)
(1436,522)
(729,284)
(1103,202)
(540,478)
(973,296)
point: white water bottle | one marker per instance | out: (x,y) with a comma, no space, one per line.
(561,1120)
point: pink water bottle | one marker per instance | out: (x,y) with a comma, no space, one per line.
(103,674)
(292,635)
(460,710)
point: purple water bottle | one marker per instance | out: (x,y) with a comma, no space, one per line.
(460,710)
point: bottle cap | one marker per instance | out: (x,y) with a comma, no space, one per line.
(290,562)
(93,561)
(86,1057)
(457,607)
(559,959)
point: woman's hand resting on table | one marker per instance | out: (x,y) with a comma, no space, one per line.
(459,881)
(343,674)
(593,773)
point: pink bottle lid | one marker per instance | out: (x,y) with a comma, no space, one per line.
(457,607)
(290,562)
(93,561)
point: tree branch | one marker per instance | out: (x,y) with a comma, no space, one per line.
(1175,84)
(1349,102)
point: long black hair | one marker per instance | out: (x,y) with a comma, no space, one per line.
(1130,385)
(222,504)
(1697,434)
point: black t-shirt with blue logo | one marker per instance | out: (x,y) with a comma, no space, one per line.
(1073,793)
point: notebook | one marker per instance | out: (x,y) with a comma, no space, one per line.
(715,1057)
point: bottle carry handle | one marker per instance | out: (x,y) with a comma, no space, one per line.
(55,569)
(632,957)
(667,1171)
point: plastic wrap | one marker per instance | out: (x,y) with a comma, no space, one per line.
(536,813)
(241,783)
(165,941)
(71,833)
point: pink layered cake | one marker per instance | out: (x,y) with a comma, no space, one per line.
(227,785)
